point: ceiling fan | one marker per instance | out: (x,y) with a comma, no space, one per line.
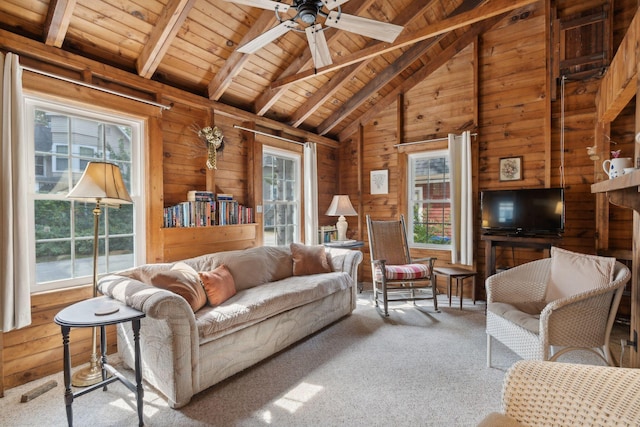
(306,20)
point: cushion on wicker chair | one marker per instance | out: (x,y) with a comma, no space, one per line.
(573,273)
(404,272)
(525,315)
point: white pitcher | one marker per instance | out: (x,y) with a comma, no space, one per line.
(615,167)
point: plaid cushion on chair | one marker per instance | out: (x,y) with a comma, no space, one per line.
(404,272)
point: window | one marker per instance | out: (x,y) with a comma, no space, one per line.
(429,200)
(281,197)
(65,141)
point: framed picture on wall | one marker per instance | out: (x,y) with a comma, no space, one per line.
(511,168)
(380,182)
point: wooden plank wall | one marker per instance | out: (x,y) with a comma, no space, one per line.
(516,117)
(441,104)
(175,164)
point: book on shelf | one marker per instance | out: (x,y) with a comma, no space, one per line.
(197,195)
(327,233)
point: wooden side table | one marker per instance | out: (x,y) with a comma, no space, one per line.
(459,274)
(83,315)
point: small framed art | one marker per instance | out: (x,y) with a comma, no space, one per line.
(511,168)
(380,182)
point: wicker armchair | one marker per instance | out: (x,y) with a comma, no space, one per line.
(397,277)
(536,393)
(522,316)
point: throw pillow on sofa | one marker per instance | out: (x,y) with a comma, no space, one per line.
(184,281)
(309,259)
(218,284)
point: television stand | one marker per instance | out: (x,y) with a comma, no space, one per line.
(513,240)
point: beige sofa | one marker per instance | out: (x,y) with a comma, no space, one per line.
(185,352)
(537,393)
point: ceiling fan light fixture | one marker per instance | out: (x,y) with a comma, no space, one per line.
(308,10)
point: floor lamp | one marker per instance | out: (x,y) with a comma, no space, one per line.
(101,183)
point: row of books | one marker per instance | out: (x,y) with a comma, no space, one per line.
(204,208)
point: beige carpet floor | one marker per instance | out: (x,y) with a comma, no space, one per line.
(414,368)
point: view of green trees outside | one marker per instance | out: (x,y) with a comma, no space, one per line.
(431,201)
(64,228)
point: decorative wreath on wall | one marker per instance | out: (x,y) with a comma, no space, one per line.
(213,140)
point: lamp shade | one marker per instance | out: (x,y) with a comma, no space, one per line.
(101,181)
(341,205)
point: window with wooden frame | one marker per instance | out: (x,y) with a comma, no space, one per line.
(65,139)
(281,196)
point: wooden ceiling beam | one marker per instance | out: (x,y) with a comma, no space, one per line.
(486,10)
(57,21)
(269,97)
(165,30)
(237,60)
(453,49)
(378,82)
(406,17)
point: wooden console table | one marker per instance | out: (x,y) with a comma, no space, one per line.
(493,240)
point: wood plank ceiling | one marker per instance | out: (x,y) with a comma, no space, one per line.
(191,44)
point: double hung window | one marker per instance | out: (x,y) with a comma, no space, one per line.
(65,140)
(281,196)
(429,200)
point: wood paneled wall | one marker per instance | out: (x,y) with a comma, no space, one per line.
(509,91)
(175,163)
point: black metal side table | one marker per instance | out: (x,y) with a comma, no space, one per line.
(100,312)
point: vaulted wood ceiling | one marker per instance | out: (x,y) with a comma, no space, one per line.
(191,44)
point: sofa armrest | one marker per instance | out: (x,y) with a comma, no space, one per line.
(346,260)
(168,336)
(539,393)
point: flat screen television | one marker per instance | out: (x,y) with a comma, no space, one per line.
(527,212)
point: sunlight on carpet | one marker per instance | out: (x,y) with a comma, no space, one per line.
(429,366)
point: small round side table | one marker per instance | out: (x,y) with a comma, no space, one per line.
(93,313)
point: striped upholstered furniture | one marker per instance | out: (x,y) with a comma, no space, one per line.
(542,309)
(397,277)
(537,394)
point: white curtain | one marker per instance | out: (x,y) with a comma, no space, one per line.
(310,193)
(461,198)
(15,275)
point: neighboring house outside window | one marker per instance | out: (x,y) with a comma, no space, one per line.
(65,141)
(429,219)
(281,181)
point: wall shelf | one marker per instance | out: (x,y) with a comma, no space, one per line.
(622,191)
(187,242)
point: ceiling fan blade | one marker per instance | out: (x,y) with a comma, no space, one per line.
(267,37)
(364,26)
(318,46)
(263,4)
(332,4)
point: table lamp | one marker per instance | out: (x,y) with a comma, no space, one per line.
(102,184)
(341,206)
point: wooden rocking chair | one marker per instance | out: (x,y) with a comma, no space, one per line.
(393,271)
